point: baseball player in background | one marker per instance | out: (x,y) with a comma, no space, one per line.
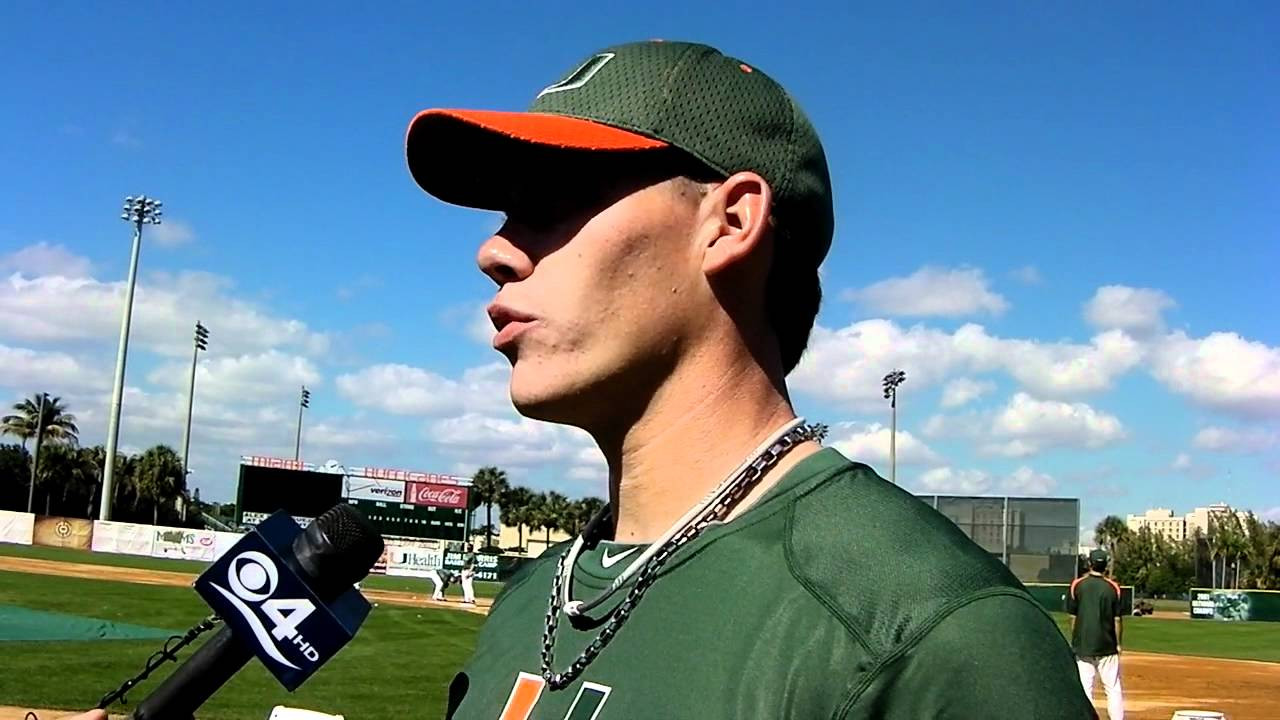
(468,575)
(440,579)
(667,208)
(1097,628)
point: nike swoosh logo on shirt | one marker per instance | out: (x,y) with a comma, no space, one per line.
(608,562)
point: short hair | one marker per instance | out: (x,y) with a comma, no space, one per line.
(792,291)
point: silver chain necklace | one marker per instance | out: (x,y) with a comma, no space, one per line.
(649,572)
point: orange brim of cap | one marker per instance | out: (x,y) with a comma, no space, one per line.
(466,156)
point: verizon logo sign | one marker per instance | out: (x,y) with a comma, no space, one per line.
(450,496)
(366,489)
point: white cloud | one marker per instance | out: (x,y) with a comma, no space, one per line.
(845,366)
(407,390)
(1221,439)
(272,374)
(1054,369)
(1271,515)
(45,259)
(1027,275)
(962,391)
(1137,311)
(870,444)
(29,371)
(1222,372)
(1027,426)
(1181,462)
(932,291)
(945,480)
(168,234)
(57,309)
(1025,481)
(518,445)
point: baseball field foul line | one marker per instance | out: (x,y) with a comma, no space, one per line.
(180,579)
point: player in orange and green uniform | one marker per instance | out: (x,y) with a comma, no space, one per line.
(668,207)
(1097,627)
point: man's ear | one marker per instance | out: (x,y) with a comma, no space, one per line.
(739,212)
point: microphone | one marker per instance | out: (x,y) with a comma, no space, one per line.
(286,595)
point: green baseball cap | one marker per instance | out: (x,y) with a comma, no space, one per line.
(1098,556)
(626,101)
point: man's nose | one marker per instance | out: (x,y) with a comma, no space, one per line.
(502,261)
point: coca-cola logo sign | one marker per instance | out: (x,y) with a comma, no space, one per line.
(450,496)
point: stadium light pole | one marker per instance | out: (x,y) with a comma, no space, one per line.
(35,459)
(891,383)
(201,343)
(303,402)
(139,211)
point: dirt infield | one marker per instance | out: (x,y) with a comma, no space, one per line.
(166,577)
(1155,685)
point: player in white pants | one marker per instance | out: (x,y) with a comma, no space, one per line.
(468,576)
(1108,667)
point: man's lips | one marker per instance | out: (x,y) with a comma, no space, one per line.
(509,323)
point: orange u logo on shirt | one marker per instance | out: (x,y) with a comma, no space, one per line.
(528,690)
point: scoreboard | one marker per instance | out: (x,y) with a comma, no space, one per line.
(270,484)
(399,503)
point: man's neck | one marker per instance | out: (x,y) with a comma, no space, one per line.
(691,436)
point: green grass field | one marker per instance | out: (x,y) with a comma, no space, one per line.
(399,665)
(379,582)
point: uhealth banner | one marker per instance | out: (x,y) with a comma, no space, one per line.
(63,532)
(1257,605)
(16,527)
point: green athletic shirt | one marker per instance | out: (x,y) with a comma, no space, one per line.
(837,595)
(1095,601)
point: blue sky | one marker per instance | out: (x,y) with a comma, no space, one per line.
(1062,225)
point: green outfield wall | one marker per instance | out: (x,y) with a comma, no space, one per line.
(1053,596)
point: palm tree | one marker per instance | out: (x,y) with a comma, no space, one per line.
(1262,550)
(58,426)
(581,512)
(94,458)
(1111,533)
(558,513)
(159,478)
(488,485)
(515,503)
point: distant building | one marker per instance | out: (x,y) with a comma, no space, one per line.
(1163,522)
(1160,521)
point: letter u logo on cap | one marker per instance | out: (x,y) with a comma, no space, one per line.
(581,76)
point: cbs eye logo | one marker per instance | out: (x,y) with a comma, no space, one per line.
(253,579)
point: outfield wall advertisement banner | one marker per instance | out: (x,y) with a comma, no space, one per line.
(63,532)
(1256,605)
(362,488)
(16,527)
(183,543)
(122,538)
(437,495)
(412,561)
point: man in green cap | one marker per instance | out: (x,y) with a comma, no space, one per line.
(666,211)
(1097,628)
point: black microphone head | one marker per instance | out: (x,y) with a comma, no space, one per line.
(338,549)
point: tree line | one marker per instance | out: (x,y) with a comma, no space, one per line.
(148,487)
(523,508)
(1233,554)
